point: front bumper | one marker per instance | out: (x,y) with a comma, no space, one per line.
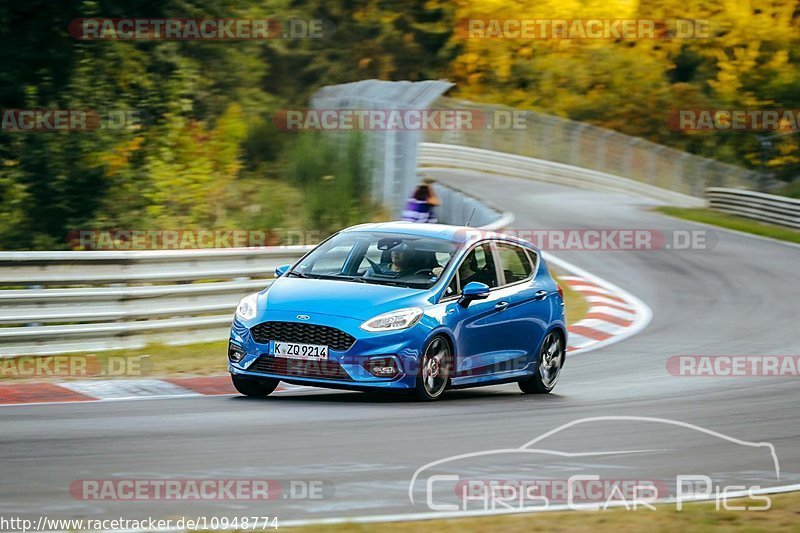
(403,346)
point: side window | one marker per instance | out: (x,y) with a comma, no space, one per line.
(479,266)
(515,263)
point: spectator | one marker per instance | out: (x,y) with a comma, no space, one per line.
(420,206)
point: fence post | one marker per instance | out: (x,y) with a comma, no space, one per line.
(626,162)
(575,144)
(602,149)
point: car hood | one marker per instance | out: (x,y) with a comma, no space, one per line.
(339,298)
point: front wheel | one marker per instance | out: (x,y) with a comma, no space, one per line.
(435,369)
(550,362)
(259,388)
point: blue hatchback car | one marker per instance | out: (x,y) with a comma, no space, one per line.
(404,307)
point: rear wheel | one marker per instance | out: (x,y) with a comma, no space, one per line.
(435,369)
(254,387)
(550,362)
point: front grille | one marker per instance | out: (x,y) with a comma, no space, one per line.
(322,369)
(299,332)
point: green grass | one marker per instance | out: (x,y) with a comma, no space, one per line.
(155,360)
(724,220)
(576,305)
(160,360)
(696,517)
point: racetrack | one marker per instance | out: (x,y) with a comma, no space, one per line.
(740,297)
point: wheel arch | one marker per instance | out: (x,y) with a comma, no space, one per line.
(448,336)
(562,332)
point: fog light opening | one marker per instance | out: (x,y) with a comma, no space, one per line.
(382,367)
(235,353)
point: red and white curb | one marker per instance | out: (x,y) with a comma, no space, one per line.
(120,389)
(614,314)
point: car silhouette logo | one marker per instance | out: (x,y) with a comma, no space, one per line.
(303,317)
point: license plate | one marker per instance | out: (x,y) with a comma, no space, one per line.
(294,350)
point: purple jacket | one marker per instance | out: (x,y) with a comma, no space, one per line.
(419,211)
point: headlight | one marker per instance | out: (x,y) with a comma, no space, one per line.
(402,319)
(247,307)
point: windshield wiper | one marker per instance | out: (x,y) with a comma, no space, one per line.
(392,282)
(374,281)
(359,279)
(321,276)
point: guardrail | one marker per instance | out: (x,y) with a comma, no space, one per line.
(151,266)
(779,210)
(478,159)
(82,301)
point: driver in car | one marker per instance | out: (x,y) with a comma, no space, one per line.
(402,259)
(404,262)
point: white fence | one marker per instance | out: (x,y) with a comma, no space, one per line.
(778,210)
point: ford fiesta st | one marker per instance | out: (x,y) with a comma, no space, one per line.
(404,307)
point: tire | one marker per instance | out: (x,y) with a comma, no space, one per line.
(259,388)
(435,370)
(548,366)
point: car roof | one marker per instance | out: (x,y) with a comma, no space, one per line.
(457,234)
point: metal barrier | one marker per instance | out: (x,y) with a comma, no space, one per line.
(83,301)
(153,266)
(779,210)
(578,144)
(477,159)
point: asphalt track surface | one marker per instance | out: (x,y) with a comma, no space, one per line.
(739,297)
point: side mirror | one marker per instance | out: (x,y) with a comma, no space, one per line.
(473,291)
(281,270)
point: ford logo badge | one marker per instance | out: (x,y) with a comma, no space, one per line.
(303,317)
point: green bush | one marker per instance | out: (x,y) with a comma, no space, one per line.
(334,176)
(792,189)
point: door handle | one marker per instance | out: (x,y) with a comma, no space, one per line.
(501,306)
(540,295)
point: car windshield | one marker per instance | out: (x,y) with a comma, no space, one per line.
(381,258)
